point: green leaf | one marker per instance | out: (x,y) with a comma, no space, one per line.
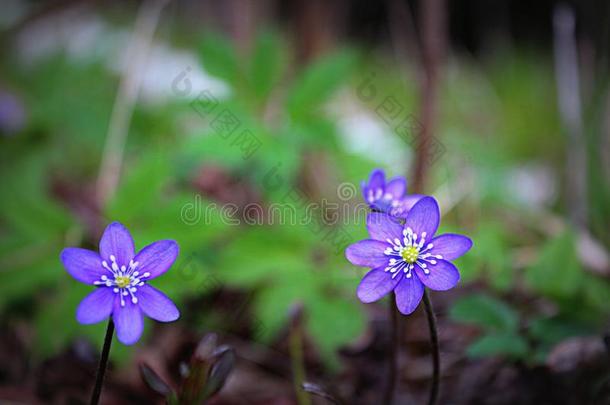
(490,254)
(266,66)
(596,292)
(550,331)
(272,304)
(486,312)
(334,322)
(219,58)
(502,344)
(557,271)
(141,187)
(319,81)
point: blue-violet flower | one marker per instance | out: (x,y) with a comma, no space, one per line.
(391,197)
(121,278)
(406,258)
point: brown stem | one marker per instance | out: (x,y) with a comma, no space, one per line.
(433,48)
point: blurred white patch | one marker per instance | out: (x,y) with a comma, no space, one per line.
(84,37)
(533,185)
(365,134)
(77,32)
(592,253)
(165,65)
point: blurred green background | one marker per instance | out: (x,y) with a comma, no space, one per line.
(533,279)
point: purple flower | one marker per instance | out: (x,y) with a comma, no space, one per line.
(390,197)
(121,277)
(406,258)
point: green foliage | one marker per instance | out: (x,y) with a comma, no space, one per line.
(557,271)
(485,127)
(499,322)
(502,334)
(279,263)
(317,83)
(486,312)
(266,67)
(219,58)
(506,344)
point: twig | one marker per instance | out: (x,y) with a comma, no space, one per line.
(122,111)
(433,48)
(570,109)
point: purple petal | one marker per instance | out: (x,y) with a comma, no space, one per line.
(397,187)
(409,201)
(365,191)
(408,294)
(117,241)
(424,217)
(442,276)
(156,305)
(157,257)
(382,227)
(450,245)
(96,306)
(375,284)
(367,253)
(377,179)
(128,320)
(82,264)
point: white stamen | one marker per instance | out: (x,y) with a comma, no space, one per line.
(424,259)
(122,271)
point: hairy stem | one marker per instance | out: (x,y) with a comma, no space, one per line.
(101,369)
(436,357)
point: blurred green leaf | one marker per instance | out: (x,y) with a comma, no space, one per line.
(500,344)
(334,321)
(550,331)
(266,66)
(219,58)
(486,312)
(596,291)
(318,82)
(272,303)
(557,271)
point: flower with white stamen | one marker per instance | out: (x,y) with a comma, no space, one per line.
(121,277)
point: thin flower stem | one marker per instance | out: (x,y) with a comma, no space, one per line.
(436,357)
(388,394)
(101,369)
(298,367)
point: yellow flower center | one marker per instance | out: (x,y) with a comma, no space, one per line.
(410,254)
(122,281)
